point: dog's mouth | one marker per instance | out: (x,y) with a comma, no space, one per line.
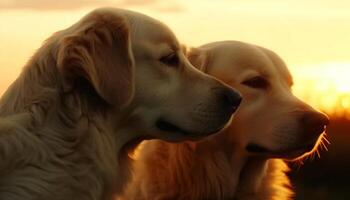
(289,153)
(255,148)
(295,152)
(167,126)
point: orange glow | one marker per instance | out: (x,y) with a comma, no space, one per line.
(326,86)
(300,32)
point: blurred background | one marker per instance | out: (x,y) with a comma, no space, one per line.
(313,37)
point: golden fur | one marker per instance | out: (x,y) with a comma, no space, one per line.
(177,171)
(241,162)
(80,103)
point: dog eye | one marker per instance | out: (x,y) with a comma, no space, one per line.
(170,59)
(257,82)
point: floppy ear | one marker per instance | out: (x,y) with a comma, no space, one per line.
(99,50)
(198,58)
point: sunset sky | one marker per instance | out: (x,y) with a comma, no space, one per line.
(312,36)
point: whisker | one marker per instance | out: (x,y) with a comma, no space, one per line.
(318,153)
(324,145)
(326,139)
(321,145)
(298,163)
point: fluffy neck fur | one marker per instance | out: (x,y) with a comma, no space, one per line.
(205,171)
(70,136)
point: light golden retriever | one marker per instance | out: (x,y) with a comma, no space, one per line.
(92,92)
(241,161)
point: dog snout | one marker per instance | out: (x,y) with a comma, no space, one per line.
(229,99)
(314,123)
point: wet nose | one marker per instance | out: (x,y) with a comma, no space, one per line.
(230,99)
(314,122)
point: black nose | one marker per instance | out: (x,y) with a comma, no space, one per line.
(314,122)
(230,99)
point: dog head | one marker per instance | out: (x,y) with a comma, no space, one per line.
(135,64)
(271,121)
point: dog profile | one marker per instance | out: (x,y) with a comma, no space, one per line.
(89,95)
(243,161)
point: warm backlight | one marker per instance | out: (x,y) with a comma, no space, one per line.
(326,86)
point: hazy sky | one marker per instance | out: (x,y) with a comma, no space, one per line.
(305,33)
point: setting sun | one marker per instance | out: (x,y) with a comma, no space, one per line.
(321,70)
(326,86)
(80,106)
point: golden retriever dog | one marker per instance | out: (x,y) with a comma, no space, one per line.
(92,92)
(244,160)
